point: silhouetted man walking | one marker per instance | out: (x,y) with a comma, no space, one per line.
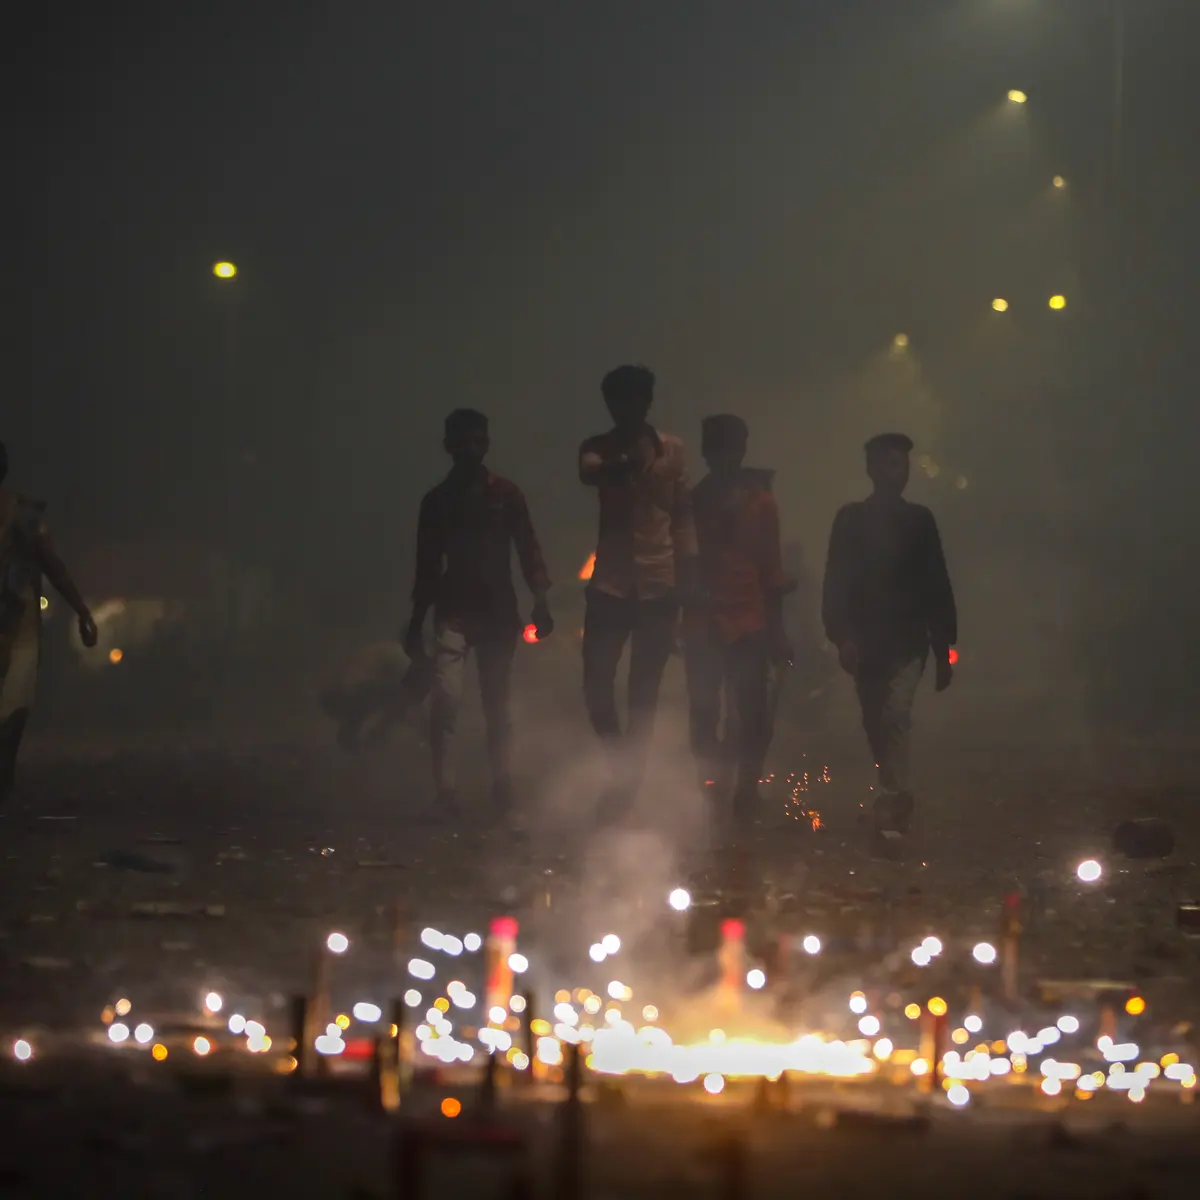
(887,601)
(645,560)
(468,526)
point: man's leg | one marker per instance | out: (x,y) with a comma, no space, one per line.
(494,658)
(652,642)
(749,680)
(449,670)
(896,727)
(705,667)
(606,628)
(887,699)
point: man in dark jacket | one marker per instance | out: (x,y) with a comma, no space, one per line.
(887,601)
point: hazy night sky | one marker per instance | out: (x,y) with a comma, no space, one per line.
(492,203)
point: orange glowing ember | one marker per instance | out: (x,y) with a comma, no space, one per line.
(530,634)
(953,656)
(585,572)
(451,1107)
(115,656)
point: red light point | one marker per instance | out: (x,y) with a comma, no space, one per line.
(504,927)
(530,634)
(953,655)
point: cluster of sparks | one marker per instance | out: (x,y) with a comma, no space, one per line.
(799,805)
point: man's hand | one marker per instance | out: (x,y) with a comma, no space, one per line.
(87,629)
(541,619)
(848,657)
(943,675)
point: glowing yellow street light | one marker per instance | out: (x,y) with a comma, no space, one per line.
(224,270)
(1059,182)
(1000,304)
(900,341)
(1058,302)
(1017,96)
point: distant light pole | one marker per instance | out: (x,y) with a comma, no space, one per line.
(1118,112)
(226,272)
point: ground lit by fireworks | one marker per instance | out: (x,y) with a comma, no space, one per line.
(881,1034)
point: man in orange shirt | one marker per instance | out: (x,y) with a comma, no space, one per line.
(735,635)
(645,564)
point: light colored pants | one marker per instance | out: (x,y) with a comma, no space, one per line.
(886,698)
(493,659)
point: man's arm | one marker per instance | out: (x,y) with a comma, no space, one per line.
(835,592)
(428,572)
(774,582)
(529,550)
(56,572)
(600,463)
(941,610)
(683,534)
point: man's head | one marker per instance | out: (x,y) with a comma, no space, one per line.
(467,440)
(3,462)
(723,441)
(887,462)
(628,394)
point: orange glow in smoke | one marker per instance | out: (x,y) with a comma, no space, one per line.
(953,656)
(115,656)
(451,1107)
(585,572)
(530,634)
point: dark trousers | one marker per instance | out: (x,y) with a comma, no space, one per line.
(885,694)
(740,672)
(648,626)
(11,730)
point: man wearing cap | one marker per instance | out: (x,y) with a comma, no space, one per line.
(887,602)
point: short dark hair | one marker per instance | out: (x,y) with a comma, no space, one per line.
(723,429)
(3,462)
(628,382)
(464,421)
(882,442)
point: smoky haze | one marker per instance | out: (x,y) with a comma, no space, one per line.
(491,205)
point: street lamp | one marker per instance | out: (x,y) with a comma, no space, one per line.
(1000,304)
(1016,96)
(224,270)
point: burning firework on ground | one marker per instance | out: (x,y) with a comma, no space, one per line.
(894,1027)
(799,804)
